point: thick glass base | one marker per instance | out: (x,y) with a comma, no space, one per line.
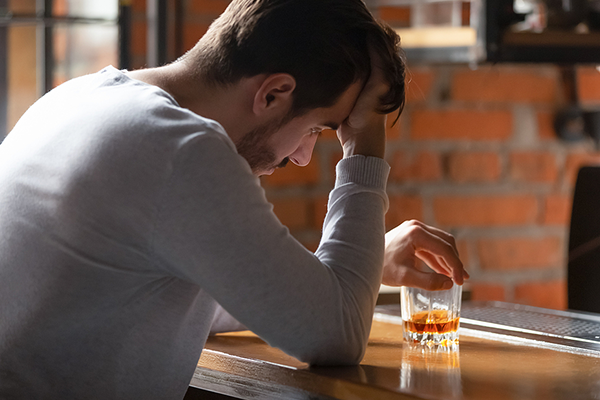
(432,339)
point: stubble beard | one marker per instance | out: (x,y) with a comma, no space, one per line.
(254,148)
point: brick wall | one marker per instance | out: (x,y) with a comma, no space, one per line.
(474,153)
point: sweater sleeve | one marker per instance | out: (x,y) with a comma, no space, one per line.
(216,228)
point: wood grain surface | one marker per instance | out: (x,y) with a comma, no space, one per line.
(243,366)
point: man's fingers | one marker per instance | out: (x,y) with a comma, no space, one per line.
(438,250)
(425,280)
(439,265)
(445,252)
(435,263)
(414,240)
(437,232)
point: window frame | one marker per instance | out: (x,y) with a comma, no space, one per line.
(44,20)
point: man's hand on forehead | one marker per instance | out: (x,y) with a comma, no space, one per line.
(369,98)
(363,132)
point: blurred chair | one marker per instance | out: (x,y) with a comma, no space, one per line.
(583,274)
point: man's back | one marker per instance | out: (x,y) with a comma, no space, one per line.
(85,306)
(125,218)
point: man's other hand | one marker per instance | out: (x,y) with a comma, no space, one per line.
(412,241)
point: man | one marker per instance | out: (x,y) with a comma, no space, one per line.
(132,216)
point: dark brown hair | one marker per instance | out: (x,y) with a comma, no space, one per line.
(323,44)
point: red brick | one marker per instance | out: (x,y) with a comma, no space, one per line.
(557,210)
(418,85)
(328,135)
(138,38)
(293,175)
(529,166)
(497,84)
(487,291)
(423,166)
(207,7)
(577,160)
(466,14)
(482,166)
(335,158)
(192,32)
(138,5)
(472,125)
(545,120)
(403,208)
(311,245)
(485,210)
(395,16)
(515,253)
(463,252)
(138,61)
(292,212)
(551,294)
(588,79)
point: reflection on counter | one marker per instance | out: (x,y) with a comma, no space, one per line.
(431,370)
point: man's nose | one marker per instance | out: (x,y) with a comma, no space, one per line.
(302,155)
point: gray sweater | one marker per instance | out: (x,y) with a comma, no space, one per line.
(125,220)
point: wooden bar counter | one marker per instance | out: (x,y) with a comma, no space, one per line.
(489,363)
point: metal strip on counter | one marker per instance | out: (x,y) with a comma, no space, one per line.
(576,332)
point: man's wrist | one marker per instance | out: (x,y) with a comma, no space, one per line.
(364,149)
(369,142)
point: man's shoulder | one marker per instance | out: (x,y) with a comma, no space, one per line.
(127,105)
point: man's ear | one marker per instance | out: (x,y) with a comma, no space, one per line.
(274,96)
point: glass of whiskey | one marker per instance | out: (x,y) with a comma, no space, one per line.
(431,317)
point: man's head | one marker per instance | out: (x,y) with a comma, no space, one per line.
(280,140)
(323,44)
(315,52)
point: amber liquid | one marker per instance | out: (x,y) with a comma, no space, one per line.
(435,321)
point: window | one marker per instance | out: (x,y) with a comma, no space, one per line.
(46,42)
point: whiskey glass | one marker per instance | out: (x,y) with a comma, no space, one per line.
(431,317)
